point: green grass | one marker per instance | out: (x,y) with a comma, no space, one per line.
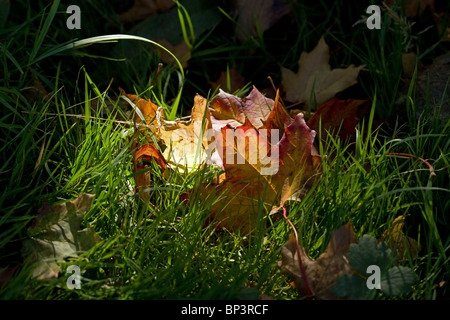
(166,251)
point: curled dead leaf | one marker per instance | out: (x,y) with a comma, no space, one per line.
(142,157)
(398,241)
(323,272)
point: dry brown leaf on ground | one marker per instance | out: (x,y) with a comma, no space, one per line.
(148,112)
(315,79)
(268,157)
(184,142)
(142,158)
(398,241)
(56,234)
(338,117)
(321,274)
(181,51)
(432,87)
(409,61)
(236,80)
(265,13)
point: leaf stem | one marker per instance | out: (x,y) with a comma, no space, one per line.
(302,269)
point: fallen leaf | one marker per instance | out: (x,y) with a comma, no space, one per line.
(6,275)
(257,108)
(394,280)
(142,157)
(432,87)
(266,155)
(338,117)
(409,64)
(315,79)
(56,234)
(398,241)
(236,80)
(187,142)
(142,9)
(181,51)
(228,107)
(442,21)
(271,168)
(322,273)
(148,111)
(251,17)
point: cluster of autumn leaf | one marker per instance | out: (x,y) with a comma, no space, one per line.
(287,165)
(205,140)
(213,133)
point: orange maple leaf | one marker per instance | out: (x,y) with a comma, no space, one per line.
(267,168)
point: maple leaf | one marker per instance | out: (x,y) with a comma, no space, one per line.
(187,142)
(55,234)
(338,117)
(146,113)
(315,79)
(322,273)
(267,168)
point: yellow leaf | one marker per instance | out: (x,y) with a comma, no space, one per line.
(315,79)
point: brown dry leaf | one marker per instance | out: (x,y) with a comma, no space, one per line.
(265,13)
(142,9)
(144,154)
(56,234)
(237,81)
(188,141)
(148,110)
(442,25)
(409,64)
(268,157)
(432,87)
(398,241)
(180,50)
(339,117)
(321,274)
(315,73)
